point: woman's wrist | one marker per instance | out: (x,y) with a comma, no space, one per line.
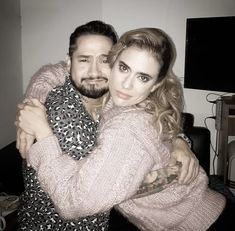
(41,134)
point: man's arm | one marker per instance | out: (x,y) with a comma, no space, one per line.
(182,153)
(183,167)
(158,180)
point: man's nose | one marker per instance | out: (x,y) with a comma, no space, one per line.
(93,69)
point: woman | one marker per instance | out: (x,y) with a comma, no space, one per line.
(142,116)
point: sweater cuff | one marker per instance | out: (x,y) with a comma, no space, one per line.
(43,151)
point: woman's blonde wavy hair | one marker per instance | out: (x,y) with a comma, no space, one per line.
(166,102)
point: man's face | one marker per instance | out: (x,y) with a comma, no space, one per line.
(89,68)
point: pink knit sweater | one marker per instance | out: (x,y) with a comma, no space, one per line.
(127,148)
(46,78)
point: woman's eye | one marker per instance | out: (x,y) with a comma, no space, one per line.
(123,68)
(143,78)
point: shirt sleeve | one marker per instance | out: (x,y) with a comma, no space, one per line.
(111,174)
(45,79)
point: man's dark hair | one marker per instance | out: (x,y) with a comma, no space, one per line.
(92,28)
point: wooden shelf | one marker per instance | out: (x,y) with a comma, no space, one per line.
(225,127)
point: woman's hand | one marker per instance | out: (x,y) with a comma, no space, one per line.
(23,140)
(33,119)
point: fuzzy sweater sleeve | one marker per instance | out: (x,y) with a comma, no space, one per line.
(111,174)
(45,79)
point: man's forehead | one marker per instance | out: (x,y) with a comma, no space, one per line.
(94,43)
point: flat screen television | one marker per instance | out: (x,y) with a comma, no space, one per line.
(210,54)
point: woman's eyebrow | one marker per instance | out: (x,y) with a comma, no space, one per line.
(141,73)
(146,75)
(124,64)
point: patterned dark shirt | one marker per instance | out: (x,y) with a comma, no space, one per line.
(76,132)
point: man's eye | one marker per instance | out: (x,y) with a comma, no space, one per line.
(143,78)
(105,60)
(123,68)
(83,60)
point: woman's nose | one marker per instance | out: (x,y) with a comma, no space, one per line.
(127,82)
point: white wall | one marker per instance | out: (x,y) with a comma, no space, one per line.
(10,66)
(47,25)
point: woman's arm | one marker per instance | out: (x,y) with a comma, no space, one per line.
(45,79)
(41,83)
(111,174)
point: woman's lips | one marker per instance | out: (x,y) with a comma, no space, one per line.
(122,95)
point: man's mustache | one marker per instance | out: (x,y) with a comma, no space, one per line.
(96,78)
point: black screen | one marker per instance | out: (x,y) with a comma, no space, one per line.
(210,54)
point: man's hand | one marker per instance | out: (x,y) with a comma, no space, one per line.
(190,164)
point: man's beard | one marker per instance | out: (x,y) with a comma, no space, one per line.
(92,92)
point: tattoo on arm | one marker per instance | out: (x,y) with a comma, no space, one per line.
(158,180)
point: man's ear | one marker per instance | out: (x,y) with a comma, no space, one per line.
(68,63)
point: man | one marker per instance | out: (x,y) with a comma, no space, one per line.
(84,97)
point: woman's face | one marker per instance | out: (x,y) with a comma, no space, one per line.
(133,76)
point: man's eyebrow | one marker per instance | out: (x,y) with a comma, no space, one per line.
(87,56)
(141,73)
(82,56)
(104,55)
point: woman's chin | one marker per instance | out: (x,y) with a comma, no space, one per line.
(120,102)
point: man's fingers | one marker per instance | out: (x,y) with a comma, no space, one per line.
(183,173)
(196,171)
(189,174)
(172,161)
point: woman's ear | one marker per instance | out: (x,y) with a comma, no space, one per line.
(154,87)
(68,63)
